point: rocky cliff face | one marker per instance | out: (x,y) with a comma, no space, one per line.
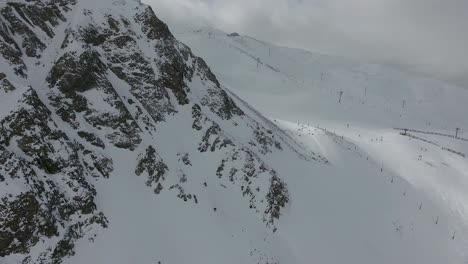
(83,80)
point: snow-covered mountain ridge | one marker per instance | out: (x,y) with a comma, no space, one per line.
(412,127)
(85,83)
(119,145)
(372,94)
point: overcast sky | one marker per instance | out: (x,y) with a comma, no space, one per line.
(425,36)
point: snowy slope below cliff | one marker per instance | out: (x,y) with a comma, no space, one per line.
(304,88)
(107,124)
(347,211)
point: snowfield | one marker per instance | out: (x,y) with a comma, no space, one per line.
(354,212)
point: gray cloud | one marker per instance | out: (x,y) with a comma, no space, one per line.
(424,36)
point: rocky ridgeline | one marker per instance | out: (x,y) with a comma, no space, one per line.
(76,84)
